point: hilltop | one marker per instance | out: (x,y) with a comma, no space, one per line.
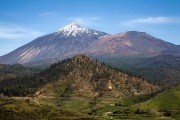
(82,75)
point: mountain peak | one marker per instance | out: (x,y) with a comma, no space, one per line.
(136,32)
(74,24)
(75,30)
(72,30)
(70,27)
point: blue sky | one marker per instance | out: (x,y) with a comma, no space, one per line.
(21,21)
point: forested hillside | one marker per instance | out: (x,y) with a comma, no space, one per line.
(160,69)
(80,73)
(12,71)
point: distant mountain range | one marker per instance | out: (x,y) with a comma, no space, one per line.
(74,39)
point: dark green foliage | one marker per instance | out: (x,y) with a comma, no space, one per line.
(161,69)
(160,75)
(21,86)
(125,71)
(11,71)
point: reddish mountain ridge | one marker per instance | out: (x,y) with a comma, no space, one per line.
(74,39)
(133,43)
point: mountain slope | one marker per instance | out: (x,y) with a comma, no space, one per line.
(70,40)
(127,45)
(162,69)
(74,39)
(89,78)
(159,102)
(133,43)
(81,76)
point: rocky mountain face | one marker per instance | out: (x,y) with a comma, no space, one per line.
(70,40)
(133,43)
(74,39)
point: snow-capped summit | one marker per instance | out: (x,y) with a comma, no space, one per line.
(67,41)
(74,30)
(72,26)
